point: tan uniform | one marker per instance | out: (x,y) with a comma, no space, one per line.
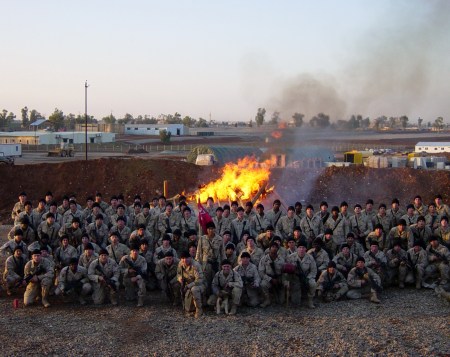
(443,236)
(100,289)
(165,222)
(69,216)
(439,267)
(74,235)
(263,241)
(63,255)
(423,234)
(210,253)
(160,253)
(321,258)
(377,262)
(340,228)
(117,252)
(410,220)
(17,209)
(355,280)
(14,270)
(222,225)
(311,227)
(52,231)
(85,261)
(443,210)
(124,233)
(285,227)
(45,279)
(192,279)
(127,263)
(406,238)
(332,287)
(167,279)
(345,264)
(396,266)
(273,217)
(77,284)
(141,218)
(385,221)
(361,226)
(237,228)
(432,221)
(8,248)
(381,240)
(255,255)
(418,261)
(226,286)
(270,272)
(251,282)
(395,215)
(98,234)
(304,277)
(258,224)
(28,234)
(188,223)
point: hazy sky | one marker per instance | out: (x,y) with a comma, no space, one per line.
(227,58)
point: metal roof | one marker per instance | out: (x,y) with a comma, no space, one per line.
(433,143)
(38,122)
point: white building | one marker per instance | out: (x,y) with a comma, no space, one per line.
(51,138)
(154,129)
(432,147)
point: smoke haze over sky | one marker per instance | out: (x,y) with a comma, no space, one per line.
(227,58)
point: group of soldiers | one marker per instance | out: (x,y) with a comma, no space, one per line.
(242,256)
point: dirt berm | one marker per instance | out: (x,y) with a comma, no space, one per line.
(145,177)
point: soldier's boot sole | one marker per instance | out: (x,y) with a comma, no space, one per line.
(233,309)
(374,299)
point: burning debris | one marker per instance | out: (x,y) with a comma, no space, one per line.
(245,180)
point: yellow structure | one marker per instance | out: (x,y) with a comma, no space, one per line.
(357,157)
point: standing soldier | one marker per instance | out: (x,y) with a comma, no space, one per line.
(222,224)
(54,211)
(401,232)
(249,213)
(168,221)
(73,280)
(99,200)
(378,236)
(323,213)
(270,270)
(13,276)
(258,222)
(190,276)
(432,218)
(411,216)
(339,226)
(104,274)
(250,280)
(360,225)
(274,215)
(227,284)
(42,275)
(311,225)
(298,210)
(51,228)
(34,219)
(116,250)
(369,212)
(286,224)
(98,231)
(376,260)
(331,285)
(144,217)
(382,218)
(19,206)
(438,261)
(303,277)
(319,255)
(418,259)
(166,273)
(134,272)
(395,212)
(210,252)
(345,260)
(239,225)
(72,213)
(419,208)
(362,281)
(441,208)
(420,231)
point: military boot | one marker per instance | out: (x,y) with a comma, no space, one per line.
(45,302)
(374,298)
(113,299)
(266,301)
(140,301)
(198,309)
(233,309)
(310,303)
(418,282)
(81,300)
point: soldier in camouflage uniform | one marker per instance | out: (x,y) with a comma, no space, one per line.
(255,252)
(168,221)
(382,218)
(331,285)
(166,273)
(116,250)
(419,208)
(443,232)
(88,256)
(319,255)
(397,261)
(188,221)
(104,273)
(395,212)
(354,246)
(222,224)
(8,248)
(14,271)
(360,225)
(29,235)
(19,206)
(432,217)
(311,225)
(51,228)
(98,231)
(401,232)
(121,230)
(134,272)
(420,231)
(378,236)
(418,258)
(376,260)
(411,216)
(304,276)
(227,284)
(42,272)
(441,208)
(363,281)
(258,222)
(286,224)
(263,240)
(438,261)
(345,260)
(191,278)
(72,231)
(270,270)
(73,280)
(274,215)
(239,225)
(250,279)
(165,247)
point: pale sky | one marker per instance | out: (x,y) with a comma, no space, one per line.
(227,58)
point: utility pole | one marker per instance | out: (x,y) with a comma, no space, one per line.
(85,119)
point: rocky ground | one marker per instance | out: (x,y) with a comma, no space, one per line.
(406,323)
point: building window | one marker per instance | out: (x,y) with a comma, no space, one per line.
(148,129)
(135,128)
(128,128)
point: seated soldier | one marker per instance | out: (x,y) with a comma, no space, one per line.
(397,261)
(303,276)
(320,255)
(331,285)
(40,274)
(192,281)
(139,234)
(88,256)
(354,246)
(73,281)
(263,240)
(8,248)
(230,254)
(13,276)
(378,236)
(29,234)
(64,253)
(438,263)
(166,273)
(363,281)
(146,251)
(134,272)
(226,285)
(250,279)
(104,274)
(376,260)
(270,270)
(345,260)
(418,261)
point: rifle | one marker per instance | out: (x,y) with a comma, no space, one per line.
(183,288)
(439,256)
(247,280)
(168,229)
(328,285)
(373,284)
(275,275)
(138,270)
(378,262)
(76,285)
(301,275)
(108,281)
(27,278)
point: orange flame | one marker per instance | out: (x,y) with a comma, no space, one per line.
(240,181)
(277,134)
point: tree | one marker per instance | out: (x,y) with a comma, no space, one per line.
(404,121)
(188,121)
(321,120)
(275,118)
(25,120)
(34,115)
(419,122)
(202,123)
(439,123)
(380,122)
(298,119)
(110,119)
(3,116)
(57,119)
(250,123)
(392,122)
(259,118)
(164,136)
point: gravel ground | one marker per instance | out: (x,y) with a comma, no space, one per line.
(406,323)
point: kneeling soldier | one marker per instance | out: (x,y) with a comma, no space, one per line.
(331,285)
(40,274)
(250,280)
(73,280)
(226,284)
(166,273)
(134,269)
(363,281)
(14,270)
(104,274)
